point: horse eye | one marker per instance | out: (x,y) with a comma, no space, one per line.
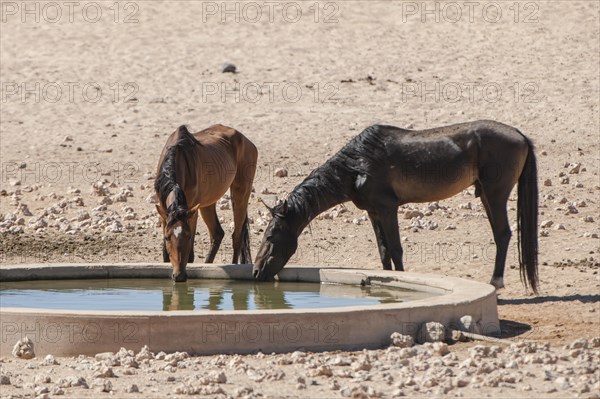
(166,238)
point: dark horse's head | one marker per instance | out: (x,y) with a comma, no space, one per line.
(279,244)
(177,235)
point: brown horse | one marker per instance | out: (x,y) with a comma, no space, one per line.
(194,171)
(386,166)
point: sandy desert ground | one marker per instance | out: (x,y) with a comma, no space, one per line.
(91,91)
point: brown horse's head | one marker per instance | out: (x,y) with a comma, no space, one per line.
(279,244)
(177,235)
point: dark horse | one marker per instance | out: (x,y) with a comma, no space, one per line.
(386,166)
(194,171)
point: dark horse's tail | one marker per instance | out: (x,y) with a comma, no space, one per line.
(527,221)
(246,256)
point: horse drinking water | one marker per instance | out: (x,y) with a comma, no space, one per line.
(386,166)
(194,171)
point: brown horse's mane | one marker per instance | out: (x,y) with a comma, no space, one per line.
(166,180)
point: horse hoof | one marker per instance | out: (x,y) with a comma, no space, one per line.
(497,282)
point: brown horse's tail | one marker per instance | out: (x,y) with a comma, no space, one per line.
(246,256)
(527,220)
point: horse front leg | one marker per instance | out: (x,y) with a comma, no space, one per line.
(165,253)
(389,227)
(209,215)
(381,241)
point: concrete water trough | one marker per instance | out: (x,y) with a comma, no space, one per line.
(63,332)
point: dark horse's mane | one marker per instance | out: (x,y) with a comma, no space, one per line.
(166,181)
(336,177)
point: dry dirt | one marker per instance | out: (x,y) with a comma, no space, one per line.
(89,97)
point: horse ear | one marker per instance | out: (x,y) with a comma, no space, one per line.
(284,207)
(193,211)
(161,212)
(271,211)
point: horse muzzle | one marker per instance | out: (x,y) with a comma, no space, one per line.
(180,277)
(262,275)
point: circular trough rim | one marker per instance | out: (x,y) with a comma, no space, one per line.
(453,291)
(206,332)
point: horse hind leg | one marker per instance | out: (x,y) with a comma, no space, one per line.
(209,215)
(385,224)
(193,225)
(240,194)
(389,224)
(494,201)
(241,235)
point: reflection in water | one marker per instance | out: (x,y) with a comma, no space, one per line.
(216,296)
(195,294)
(181,296)
(178,297)
(270,296)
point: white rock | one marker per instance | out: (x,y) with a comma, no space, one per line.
(571,209)
(322,370)
(243,392)
(24,210)
(132,388)
(440,348)
(574,168)
(340,361)
(121,197)
(24,349)
(468,324)
(100,189)
(431,332)
(49,360)
(37,223)
(409,214)
(280,172)
(402,341)
(104,372)
(73,381)
(144,354)
(103,386)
